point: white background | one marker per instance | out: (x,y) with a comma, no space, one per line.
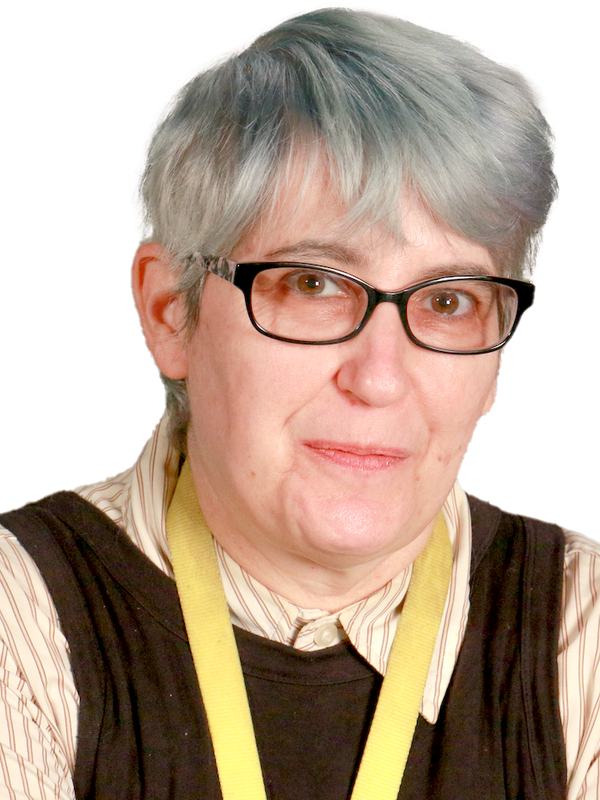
(83,87)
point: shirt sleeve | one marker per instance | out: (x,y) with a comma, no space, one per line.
(578,667)
(39,702)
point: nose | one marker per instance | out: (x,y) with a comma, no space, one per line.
(375,368)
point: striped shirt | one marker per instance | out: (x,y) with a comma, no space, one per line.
(38,712)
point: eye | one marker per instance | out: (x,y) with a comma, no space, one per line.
(313,284)
(450,302)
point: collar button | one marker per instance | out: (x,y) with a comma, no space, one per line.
(326,635)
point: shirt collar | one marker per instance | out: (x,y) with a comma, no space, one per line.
(137,500)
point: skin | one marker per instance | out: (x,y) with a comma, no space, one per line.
(321,470)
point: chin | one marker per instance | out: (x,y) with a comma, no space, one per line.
(353,529)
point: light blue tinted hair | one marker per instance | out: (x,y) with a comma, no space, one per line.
(390,105)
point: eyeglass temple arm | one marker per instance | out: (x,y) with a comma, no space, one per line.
(223,267)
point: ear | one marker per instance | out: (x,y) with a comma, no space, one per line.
(161,309)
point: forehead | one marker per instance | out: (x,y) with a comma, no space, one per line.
(309,222)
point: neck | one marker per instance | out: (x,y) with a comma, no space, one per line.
(312,584)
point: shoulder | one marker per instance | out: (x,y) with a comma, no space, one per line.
(577,545)
(500,537)
(579,662)
(21,581)
(579,554)
(581,584)
(38,713)
(29,623)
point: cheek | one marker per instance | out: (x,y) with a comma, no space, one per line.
(455,396)
(245,388)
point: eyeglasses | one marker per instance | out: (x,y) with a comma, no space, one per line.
(309,304)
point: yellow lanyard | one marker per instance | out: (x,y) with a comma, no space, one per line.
(219,671)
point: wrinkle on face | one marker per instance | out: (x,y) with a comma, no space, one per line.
(300,515)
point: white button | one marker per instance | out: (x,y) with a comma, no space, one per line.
(326,635)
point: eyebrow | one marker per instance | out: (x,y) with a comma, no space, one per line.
(351,257)
(311,248)
(460,268)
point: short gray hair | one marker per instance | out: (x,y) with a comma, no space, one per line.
(389,104)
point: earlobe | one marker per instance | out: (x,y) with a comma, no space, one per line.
(161,308)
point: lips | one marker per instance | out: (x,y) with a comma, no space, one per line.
(367,458)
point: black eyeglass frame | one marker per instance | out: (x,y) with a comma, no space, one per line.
(242,275)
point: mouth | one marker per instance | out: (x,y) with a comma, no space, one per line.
(369,458)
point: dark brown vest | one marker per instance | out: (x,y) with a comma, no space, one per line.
(142,728)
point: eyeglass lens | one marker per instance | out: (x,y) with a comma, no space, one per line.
(308,304)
